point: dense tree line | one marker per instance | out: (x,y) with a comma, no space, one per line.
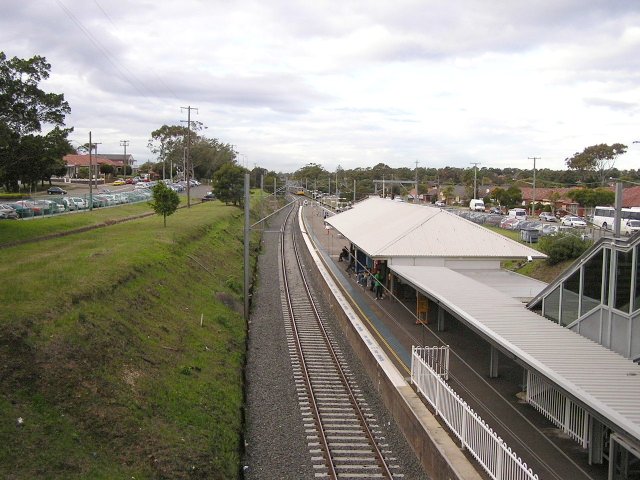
(27,156)
(507,181)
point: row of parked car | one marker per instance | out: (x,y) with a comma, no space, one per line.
(62,204)
(571,224)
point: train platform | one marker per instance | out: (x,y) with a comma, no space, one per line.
(499,401)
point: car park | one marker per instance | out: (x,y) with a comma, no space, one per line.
(547,217)
(56,191)
(572,221)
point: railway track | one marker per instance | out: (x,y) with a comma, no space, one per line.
(343,436)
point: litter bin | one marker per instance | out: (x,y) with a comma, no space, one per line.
(529,235)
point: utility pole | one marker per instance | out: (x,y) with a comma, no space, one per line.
(90,171)
(188,159)
(533,195)
(125,144)
(415,200)
(91,145)
(475,178)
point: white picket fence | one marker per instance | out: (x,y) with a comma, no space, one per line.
(572,419)
(498,460)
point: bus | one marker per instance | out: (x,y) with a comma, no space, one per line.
(603,217)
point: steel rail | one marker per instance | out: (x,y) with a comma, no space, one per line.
(307,379)
(377,457)
(352,398)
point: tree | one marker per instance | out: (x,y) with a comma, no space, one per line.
(24,110)
(590,197)
(207,154)
(448,193)
(509,197)
(596,158)
(107,169)
(165,200)
(228,184)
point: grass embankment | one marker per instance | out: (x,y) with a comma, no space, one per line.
(103,355)
(538,269)
(16,231)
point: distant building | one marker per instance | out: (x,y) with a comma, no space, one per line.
(75,162)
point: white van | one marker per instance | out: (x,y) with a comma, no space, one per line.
(476,205)
(519,213)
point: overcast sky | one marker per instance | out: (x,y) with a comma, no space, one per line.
(348,83)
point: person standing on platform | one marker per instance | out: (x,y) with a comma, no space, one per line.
(378,284)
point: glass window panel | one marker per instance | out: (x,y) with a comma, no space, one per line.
(592,283)
(623,280)
(552,305)
(570,298)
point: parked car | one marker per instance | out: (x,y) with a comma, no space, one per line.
(550,229)
(118,182)
(571,221)
(23,210)
(495,210)
(440,203)
(7,212)
(56,191)
(547,217)
(49,207)
(209,196)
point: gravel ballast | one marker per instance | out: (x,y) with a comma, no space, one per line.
(275,440)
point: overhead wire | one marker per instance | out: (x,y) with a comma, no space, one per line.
(125,74)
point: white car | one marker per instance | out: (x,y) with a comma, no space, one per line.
(547,217)
(440,203)
(633,226)
(570,221)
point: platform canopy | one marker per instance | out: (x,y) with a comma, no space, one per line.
(386,229)
(591,374)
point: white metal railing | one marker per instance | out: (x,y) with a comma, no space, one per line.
(436,357)
(571,418)
(498,460)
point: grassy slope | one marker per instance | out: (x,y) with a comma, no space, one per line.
(103,356)
(538,269)
(12,231)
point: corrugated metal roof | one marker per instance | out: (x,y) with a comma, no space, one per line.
(601,379)
(385,229)
(512,284)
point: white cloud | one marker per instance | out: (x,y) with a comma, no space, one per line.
(346,83)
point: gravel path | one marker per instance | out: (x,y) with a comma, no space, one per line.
(276,444)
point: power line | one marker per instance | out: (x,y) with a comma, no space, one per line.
(125,74)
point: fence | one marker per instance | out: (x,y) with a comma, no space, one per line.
(498,460)
(572,419)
